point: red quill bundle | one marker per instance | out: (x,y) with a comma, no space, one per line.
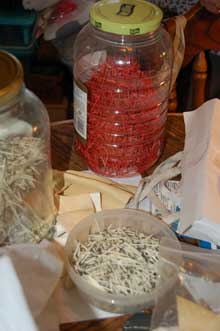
(125,119)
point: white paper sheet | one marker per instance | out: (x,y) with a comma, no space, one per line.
(201,166)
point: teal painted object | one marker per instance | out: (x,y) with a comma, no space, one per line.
(16,26)
(21,52)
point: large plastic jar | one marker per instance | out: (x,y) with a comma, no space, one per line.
(26,208)
(122,74)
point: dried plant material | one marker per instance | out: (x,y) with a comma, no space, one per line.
(22,162)
(118,261)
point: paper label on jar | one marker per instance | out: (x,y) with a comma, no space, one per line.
(80,109)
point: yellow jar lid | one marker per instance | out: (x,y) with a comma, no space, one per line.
(125,17)
(11,78)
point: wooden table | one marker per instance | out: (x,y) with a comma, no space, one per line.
(63,158)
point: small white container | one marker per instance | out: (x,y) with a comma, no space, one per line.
(136,220)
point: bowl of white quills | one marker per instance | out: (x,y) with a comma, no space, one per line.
(113,257)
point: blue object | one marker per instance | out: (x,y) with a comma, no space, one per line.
(205,244)
(197,242)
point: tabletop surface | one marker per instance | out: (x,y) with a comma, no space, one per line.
(64,157)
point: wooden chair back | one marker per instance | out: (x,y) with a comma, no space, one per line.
(202,33)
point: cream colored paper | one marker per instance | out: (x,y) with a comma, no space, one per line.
(79,194)
(193,317)
(113,195)
(81,202)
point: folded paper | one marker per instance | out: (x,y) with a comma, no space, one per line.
(79,194)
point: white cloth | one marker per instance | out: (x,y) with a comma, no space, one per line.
(29,275)
(201,167)
(14,311)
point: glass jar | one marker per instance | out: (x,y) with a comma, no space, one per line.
(122,74)
(26,209)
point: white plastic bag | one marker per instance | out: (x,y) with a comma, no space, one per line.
(38,5)
(193,303)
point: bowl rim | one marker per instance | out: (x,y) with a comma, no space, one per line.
(98,293)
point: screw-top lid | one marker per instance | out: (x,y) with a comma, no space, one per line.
(11,78)
(125,17)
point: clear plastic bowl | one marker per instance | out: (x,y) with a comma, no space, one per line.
(138,220)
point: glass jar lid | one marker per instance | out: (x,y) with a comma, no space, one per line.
(11,79)
(125,17)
